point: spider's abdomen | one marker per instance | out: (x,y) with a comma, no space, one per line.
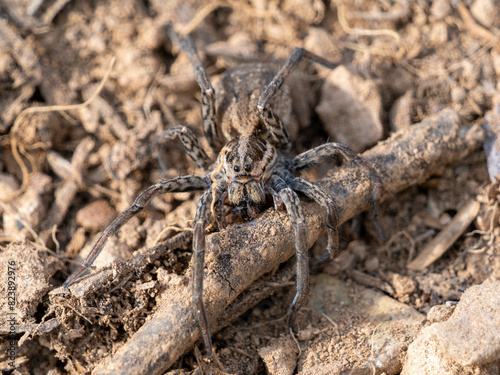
(238,92)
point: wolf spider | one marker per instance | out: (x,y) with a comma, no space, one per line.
(248,169)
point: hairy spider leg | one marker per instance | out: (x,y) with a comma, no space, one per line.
(296,215)
(330,150)
(172,185)
(317,194)
(208,115)
(190,143)
(271,121)
(199,246)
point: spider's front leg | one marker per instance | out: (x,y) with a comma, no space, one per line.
(190,143)
(294,209)
(207,91)
(199,246)
(178,184)
(330,150)
(204,211)
(317,194)
(271,121)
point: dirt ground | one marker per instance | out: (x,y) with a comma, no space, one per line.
(65,173)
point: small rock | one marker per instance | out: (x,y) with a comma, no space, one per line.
(439,33)
(467,343)
(439,313)
(471,336)
(487,12)
(372,264)
(8,185)
(426,357)
(400,115)
(403,285)
(491,126)
(306,10)
(308,333)
(359,249)
(280,356)
(27,211)
(321,42)
(30,269)
(440,9)
(95,216)
(350,108)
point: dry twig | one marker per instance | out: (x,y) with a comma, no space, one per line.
(447,237)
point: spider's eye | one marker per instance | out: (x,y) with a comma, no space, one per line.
(236,168)
(248,167)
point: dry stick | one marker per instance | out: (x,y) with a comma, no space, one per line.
(372,281)
(243,253)
(447,237)
(142,258)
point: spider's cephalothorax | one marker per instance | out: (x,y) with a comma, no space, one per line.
(245,115)
(246,163)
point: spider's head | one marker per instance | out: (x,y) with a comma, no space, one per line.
(247,163)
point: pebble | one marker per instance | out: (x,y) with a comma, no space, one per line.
(487,12)
(95,216)
(439,313)
(400,114)
(350,108)
(280,356)
(440,9)
(467,343)
(8,185)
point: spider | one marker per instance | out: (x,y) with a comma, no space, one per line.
(248,170)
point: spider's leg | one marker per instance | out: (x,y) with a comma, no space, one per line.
(177,184)
(316,193)
(294,209)
(203,212)
(207,91)
(330,150)
(324,152)
(272,121)
(190,143)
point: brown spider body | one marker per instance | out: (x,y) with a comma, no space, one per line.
(248,170)
(238,92)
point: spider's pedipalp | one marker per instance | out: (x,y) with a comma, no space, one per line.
(177,184)
(296,215)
